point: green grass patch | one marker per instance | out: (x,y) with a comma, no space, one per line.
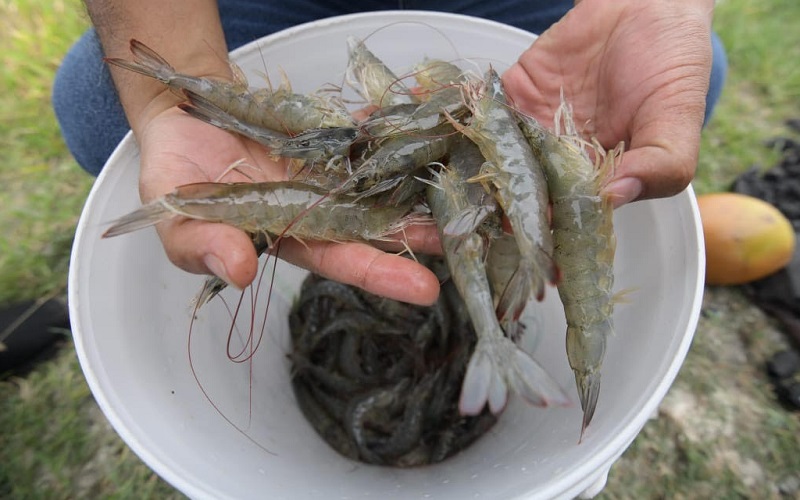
(35,36)
(56,444)
(42,187)
(762,89)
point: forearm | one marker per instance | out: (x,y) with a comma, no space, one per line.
(187,33)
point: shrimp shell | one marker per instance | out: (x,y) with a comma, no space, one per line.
(278,208)
(372,79)
(281,111)
(397,157)
(311,144)
(497,365)
(521,190)
(585,244)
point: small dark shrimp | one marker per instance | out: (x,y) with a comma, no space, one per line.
(393,396)
(461,435)
(345,295)
(408,434)
(344,322)
(382,399)
(332,381)
(321,420)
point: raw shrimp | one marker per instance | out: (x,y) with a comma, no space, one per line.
(438,98)
(280,110)
(313,144)
(322,421)
(502,257)
(284,208)
(372,79)
(365,408)
(408,118)
(502,261)
(584,246)
(298,112)
(399,118)
(443,83)
(434,74)
(396,158)
(497,364)
(521,190)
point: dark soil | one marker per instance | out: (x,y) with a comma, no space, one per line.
(779,294)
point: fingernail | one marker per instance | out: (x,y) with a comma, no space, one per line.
(624,190)
(215,265)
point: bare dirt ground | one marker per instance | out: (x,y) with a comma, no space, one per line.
(720,432)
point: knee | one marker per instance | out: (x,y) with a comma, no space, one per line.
(86,105)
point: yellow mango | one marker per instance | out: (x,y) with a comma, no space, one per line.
(746,238)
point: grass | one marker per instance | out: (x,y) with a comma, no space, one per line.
(42,188)
(720,434)
(762,89)
(53,441)
(56,444)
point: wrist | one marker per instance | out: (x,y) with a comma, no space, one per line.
(145,97)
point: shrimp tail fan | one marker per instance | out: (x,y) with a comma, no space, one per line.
(148,215)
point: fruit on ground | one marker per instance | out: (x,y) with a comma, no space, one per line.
(746,238)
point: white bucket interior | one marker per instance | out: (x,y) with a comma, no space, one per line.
(131,308)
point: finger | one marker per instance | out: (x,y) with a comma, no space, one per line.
(366,267)
(652,172)
(422,238)
(210,248)
(661,161)
(664,144)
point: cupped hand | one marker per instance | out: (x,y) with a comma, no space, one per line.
(178,149)
(633,71)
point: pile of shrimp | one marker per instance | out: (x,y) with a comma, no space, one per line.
(379,379)
(450,150)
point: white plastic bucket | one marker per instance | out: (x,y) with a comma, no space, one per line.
(130,311)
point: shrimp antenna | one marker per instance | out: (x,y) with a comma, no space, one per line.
(203,389)
(236,166)
(420,23)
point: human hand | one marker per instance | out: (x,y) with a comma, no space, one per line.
(178,149)
(633,71)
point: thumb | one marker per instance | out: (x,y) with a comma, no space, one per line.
(663,151)
(210,248)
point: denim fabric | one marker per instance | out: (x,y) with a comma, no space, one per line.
(719,70)
(247,20)
(92,120)
(86,104)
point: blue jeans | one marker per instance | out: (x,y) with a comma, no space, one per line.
(91,117)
